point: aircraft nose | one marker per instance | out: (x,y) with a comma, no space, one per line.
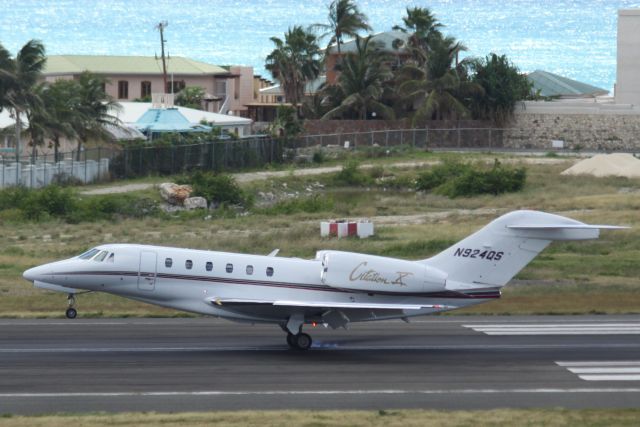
(33,274)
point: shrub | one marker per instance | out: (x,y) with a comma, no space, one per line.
(52,200)
(217,188)
(352,175)
(456,180)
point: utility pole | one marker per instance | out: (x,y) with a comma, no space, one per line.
(160,27)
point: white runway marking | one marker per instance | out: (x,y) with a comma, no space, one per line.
(605,370)
(558,329)
(316,392)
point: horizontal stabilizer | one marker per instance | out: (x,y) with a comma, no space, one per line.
(560,231)
(343,305)
(565,226)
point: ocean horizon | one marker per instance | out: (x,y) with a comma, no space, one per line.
(576,39)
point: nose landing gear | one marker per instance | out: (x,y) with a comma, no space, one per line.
(71,312)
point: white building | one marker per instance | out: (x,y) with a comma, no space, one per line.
(627,90)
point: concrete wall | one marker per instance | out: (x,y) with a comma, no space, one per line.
(586,125)
(627,90)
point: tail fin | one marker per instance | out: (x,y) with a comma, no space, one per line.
(490,257)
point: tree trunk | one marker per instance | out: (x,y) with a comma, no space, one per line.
(78,149)
(18,129)
(56,148)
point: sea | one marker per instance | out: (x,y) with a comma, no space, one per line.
(573,38)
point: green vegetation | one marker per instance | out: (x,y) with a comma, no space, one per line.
(20,204)
(216,188)
(419,77)
(381,418)
(454,179)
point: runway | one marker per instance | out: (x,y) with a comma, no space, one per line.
(447,362)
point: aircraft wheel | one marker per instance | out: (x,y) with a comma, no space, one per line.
(71,313)
(291,340)
(302,341)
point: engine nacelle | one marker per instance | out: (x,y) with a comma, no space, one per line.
(369,273)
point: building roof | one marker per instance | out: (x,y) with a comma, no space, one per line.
(550,84)
(167,120)
(75,64)
(131,112)
(387,40)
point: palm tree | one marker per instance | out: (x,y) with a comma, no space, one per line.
(424,29)
(345,19)
(437,88)
(60,101)
(294,62)
(362,82)
(18,77)
(93,110)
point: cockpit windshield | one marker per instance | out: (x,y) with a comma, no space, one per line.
(89,254)
(101,256)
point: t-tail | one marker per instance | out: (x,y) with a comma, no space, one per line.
(493,255)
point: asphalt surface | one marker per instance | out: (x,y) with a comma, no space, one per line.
(461,362)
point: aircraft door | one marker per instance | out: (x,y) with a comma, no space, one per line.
(147,271)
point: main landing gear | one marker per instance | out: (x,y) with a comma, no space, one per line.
(299,341)
(71,312)
(295,337)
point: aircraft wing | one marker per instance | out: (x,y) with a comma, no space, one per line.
(328,305)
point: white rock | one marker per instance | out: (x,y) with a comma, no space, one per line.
(192,203)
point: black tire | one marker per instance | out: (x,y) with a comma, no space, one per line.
(303,341)
(71,313)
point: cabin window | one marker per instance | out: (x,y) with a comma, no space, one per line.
(145,89)
(209,266)
(101,256)
(111,257)
(269,271)
(229,268)
(89,254)
(123,89)
(249,269)
(188,264)
(168,262)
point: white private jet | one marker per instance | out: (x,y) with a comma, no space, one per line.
(334,289)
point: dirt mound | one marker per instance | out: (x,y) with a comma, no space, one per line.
(618,164)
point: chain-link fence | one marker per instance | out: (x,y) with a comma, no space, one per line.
(227,155)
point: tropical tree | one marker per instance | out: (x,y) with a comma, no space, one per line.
(294,62)
(438,89)
(424,30)
(18,77)
(60,102)
(503,86)
(362,82)
(93,107)
(191,97)
(345,19)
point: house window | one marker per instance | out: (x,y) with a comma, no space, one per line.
(269,271)
(249,269)
(175,86)
(123,89)
(168,262)
(145,89)
(229,268)
(188,264)
(236,88)
(209,266)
